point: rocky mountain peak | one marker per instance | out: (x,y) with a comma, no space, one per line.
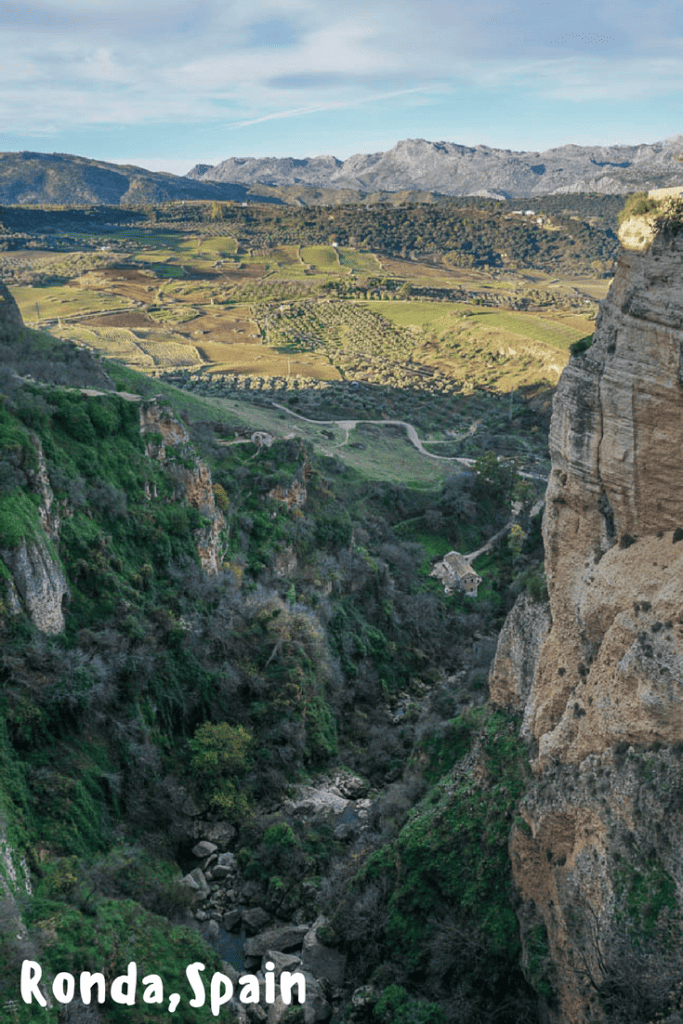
(453,169)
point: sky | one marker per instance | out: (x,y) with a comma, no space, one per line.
(166,85)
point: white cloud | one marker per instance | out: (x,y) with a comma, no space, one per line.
(71,63)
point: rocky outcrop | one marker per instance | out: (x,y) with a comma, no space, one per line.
(517,654)
(167,440)
(37,581)
(40,581)
(293,496)
(39,482)
(11,323)
(614,501)
(602,689)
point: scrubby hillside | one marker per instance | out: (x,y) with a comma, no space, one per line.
(207,638)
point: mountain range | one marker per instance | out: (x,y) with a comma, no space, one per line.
(450,169)
(413,165)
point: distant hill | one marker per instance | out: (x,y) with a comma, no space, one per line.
(450,169)
(58,178)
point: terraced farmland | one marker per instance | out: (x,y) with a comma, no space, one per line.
(333,329)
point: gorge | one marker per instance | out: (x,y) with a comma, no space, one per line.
(224,665)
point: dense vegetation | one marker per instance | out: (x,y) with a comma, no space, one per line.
(168,682)
(469,232)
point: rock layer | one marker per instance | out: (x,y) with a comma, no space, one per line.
(604,708)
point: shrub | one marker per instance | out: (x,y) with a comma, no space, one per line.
(636,205)
(396,1007)
(581,345)
(219,749)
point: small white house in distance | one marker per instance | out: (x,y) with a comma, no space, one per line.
(456,573)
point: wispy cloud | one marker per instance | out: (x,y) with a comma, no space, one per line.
(303,111)
(78,65)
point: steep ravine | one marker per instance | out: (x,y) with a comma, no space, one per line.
(597,860)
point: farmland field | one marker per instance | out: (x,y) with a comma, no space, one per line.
(322,257)
(242,311)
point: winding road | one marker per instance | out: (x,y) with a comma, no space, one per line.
(348,425)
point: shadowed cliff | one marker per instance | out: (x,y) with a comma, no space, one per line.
(597,859)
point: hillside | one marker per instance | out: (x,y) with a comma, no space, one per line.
(428,170)
(59,178)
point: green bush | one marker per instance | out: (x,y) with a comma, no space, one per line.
(582,345)
(395,1006)
(219,749)
(636,205)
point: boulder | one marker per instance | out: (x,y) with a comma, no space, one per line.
(309,800)
(316,1007)
(231,972)
(321,960)
(351,786)
(281,961)
(222,834)
(220,871)
(227,860)
(256,918)
(204,849)
(196,881)
(277,1010)
(283,939)
(232,919)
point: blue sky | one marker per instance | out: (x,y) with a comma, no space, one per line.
(167,85)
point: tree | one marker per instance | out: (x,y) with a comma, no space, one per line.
(516,540)
(219,756)
(495,477)
(219,749)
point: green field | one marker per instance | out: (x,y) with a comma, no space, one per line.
(53,303)
(322,257)
(536,328)
(415,313)
(221,245)
(359,262)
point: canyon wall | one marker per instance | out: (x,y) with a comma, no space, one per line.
(597,856)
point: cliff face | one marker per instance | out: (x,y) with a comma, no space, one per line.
(169,442)
(604,710)
(31,574)
(615,497)
(36,577)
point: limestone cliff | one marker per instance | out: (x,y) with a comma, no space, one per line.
(168,441)
(599,856)
(35,577)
